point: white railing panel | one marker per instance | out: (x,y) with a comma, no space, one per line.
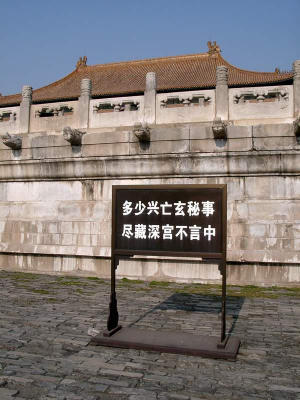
(261,102)
(191,106)
(116,111)
(9,120)
(53,116)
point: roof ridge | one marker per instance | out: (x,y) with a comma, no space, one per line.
(150,59)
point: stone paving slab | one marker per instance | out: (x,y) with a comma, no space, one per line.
(44,352)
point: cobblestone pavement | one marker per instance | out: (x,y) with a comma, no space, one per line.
(44,352)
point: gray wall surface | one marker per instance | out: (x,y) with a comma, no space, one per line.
(55,199)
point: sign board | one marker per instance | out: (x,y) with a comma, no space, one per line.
(170,220)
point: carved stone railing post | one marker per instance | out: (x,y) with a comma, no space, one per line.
(296,66)
(222,101)
(84,103)
(150,99)
(25,109)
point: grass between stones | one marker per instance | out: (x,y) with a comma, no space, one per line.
(249,291)
(40,291)
(132,281)
(21,276)
(24,280)
(95,279)
(69,281)
(159,284)
(272,292)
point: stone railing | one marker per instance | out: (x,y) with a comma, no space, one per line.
(116,111)
(53,116)
(266,102)
(191,106)
(9,119)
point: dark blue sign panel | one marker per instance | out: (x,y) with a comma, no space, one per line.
(170,220)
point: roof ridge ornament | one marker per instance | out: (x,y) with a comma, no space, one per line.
(81,62)
(213,48)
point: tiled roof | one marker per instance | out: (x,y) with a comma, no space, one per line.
(196,71)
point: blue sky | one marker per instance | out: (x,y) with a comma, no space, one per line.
(41,41)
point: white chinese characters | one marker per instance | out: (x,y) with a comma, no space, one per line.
(208,208)
(167,232)
(179,208)
(127,231)
(162,229)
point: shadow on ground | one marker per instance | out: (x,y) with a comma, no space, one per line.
(200,303)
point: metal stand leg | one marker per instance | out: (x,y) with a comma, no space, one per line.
(224,339)
(113,318)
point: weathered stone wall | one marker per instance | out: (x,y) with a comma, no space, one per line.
(55,199)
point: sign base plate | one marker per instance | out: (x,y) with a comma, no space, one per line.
(169,342)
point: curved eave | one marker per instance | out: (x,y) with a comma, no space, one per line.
(191,72)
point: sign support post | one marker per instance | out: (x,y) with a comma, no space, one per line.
(170,221)
(113,317)
(222,269)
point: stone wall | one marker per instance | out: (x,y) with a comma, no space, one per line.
(55,199)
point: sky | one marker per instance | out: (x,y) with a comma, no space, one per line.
(42,41)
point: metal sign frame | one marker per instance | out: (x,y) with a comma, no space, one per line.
(220,255)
